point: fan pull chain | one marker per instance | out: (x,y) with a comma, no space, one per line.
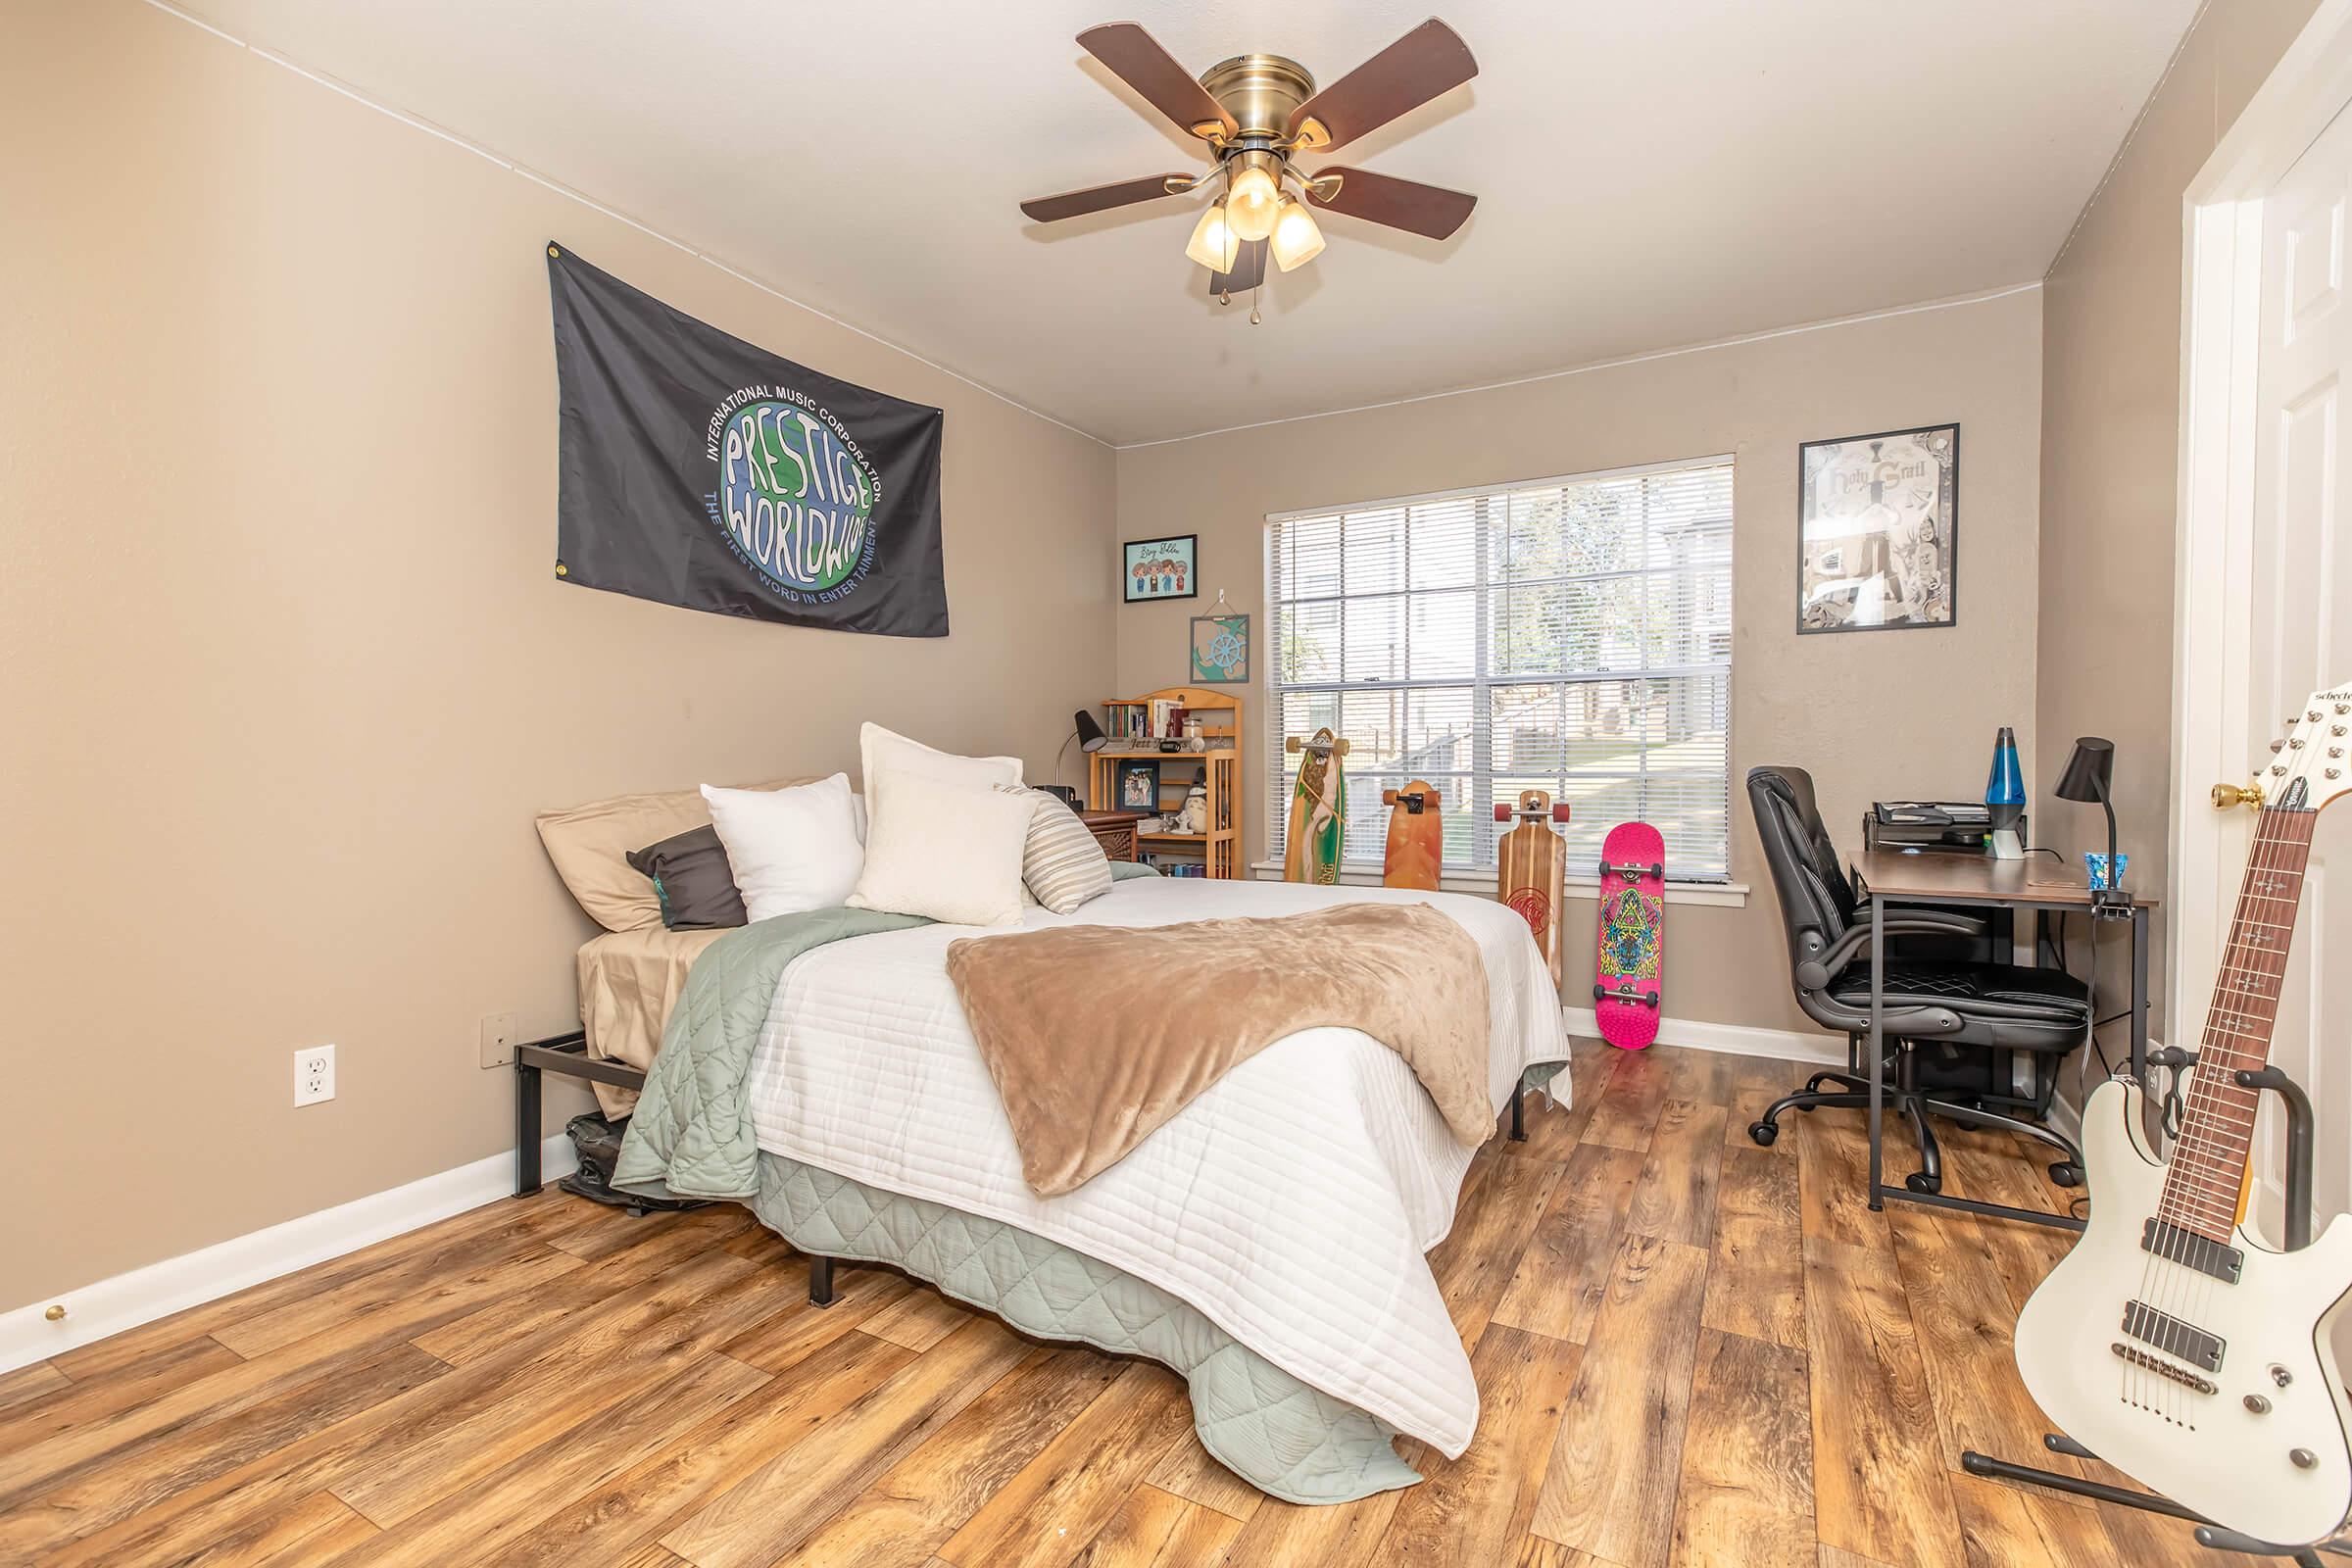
(1255,319)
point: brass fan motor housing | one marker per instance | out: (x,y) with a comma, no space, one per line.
(1259,92)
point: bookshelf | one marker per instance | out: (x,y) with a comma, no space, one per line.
(1135,727)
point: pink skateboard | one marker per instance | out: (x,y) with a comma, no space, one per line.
(1632,961)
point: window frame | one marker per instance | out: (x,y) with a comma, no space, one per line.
(1483,680)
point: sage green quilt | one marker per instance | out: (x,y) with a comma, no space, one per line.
(692,1136)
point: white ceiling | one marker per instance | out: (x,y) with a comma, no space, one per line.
(1650,175)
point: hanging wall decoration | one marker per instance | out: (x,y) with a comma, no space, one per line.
(1878,518)
(698,470)
(1221,648)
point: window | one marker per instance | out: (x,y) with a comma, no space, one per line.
(1567,635)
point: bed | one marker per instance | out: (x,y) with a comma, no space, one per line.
(1267,1243)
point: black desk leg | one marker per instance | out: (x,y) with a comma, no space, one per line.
(1519,1111)
(526,1128)
(1878,1040)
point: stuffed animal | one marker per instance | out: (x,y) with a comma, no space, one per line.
(1194,819)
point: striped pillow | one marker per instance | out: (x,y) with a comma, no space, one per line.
(1063,863)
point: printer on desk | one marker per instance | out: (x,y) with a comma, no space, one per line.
(1929,825)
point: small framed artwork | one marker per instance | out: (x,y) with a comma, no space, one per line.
(1139,786)
(1222,649)
(1162,568)
(1877,531)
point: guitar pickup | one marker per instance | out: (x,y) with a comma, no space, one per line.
(2192,1251)
(2167,1333)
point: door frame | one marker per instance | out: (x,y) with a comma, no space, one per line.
(2221,311)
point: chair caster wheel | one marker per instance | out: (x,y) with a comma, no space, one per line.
(1919,1181)
(2066,1173)
(1808,1109)
(1763,1132)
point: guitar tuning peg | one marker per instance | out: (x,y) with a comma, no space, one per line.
(2313,715)
(2277,747)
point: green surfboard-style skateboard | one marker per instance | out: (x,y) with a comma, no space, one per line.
(1318,809)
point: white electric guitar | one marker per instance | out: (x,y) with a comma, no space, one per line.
(2172,1343)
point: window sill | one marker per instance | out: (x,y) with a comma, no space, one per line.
(1714,894)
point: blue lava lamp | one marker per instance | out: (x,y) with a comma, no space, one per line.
(2005,800)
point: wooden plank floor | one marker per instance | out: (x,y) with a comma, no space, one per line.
(1690,1351)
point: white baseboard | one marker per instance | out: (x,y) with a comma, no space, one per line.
(1812,1048)
(108,1306)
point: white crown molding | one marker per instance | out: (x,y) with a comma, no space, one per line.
(126,1301)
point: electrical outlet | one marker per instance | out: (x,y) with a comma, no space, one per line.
(500,1031)
(313,1075)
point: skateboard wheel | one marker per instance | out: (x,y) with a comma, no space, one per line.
(1292,744)
(1388,797)
(1559,813)
(1763,1132)
(1502,810)
(1600,993)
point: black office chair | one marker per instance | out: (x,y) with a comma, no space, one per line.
(1948,1023)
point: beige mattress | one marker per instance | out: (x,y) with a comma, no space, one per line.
(628,982)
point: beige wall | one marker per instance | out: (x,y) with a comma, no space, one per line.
(283,667)
(1886,715)
(2111,414)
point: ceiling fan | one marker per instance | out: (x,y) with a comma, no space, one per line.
(1255,113)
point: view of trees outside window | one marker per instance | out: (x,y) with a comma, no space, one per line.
(1570,635)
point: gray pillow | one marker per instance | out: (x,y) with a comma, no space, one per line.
(694,880)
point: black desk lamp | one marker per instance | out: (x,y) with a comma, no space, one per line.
(2087,776)
(1090,738)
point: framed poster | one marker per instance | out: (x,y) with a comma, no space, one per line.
(1161,569)
(1877,531)
(1139,786)
(1222,649)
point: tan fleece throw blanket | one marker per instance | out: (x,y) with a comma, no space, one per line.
(1096,1035)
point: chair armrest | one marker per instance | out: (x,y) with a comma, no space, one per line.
(1925,922)
(1815,974)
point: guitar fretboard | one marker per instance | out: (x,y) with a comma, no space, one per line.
(2206,1178)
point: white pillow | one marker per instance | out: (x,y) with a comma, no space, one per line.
(945,850)
(882,752)
(792,848)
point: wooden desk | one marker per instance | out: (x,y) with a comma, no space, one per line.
(1891,878)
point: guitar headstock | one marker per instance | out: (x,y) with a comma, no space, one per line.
(2313,764)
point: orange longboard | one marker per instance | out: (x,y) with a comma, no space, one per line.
(1416,836)
(1531,867)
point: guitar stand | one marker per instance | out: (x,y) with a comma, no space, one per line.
(2209,1535)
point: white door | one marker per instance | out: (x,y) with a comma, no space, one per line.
(2287,600)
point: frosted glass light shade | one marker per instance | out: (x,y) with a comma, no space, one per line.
(1296,239)
(1215,244)
(1253,201)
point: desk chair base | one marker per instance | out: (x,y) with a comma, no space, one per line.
(1905,1094)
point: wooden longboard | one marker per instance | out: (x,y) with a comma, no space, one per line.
(1531,866)
(1318,809)
(1630,966)
(1416,836)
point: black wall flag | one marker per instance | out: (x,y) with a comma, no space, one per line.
(699,471)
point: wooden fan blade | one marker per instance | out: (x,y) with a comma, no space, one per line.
(1405,204)
(1249,271)
(1136,58)
(1429,60)
(1101,198)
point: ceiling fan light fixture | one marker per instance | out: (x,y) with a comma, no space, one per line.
(1251,203)
(1296,239)
(1215,244)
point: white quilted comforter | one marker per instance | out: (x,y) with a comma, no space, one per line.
(1292,1203)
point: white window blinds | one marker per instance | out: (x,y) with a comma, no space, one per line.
(1568,635)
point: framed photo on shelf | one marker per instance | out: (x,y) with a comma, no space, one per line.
(1877,531)
(1139,786)
(1222,649)
(1161,569)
